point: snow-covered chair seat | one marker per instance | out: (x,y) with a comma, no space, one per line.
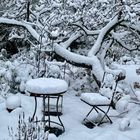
(95,99)
(105,98)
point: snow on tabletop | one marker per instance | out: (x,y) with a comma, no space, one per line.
(94,98)
(46,85)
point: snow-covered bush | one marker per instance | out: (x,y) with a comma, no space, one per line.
(136,85)
(8,75)
(101,28)
(137,95)
(10,80)
(138,71)
(13,102)
(83,81)
(124,124)
(16,70)
(54,71)
(122,105)
(27,65)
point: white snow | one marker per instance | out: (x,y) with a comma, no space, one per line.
(88,32)
(101,36)
(46,85)
(22,86)
(122,105)
(74,111)
(70,40)
(137,93)
(13,102)
(55,33)
(131,75)
(67,21)
(81,59)
(54,70)
(20,23)
(95,99)
(107,92)
(124,124)
(105,1)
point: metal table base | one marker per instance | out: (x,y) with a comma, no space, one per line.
(47,97)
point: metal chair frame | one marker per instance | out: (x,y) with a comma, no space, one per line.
(97,108)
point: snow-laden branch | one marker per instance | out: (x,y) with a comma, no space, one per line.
(49,8)
(87,32)
(20,23)
(80,59)
(118,39)
(73,37)
(102,35)
(122,43)
(61,50)
(104,50)
(55,63)
(135,27)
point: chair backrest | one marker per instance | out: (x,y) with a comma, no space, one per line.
(110,82)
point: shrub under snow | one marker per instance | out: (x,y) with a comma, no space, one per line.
(13,102)
(124,124)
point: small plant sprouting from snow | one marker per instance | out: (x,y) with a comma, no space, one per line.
(28,130)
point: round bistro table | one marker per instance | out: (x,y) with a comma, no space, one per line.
(47,88)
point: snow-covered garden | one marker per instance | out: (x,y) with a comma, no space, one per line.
(126,116)
(92,47)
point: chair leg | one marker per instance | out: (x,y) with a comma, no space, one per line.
(105,115)
(88,114)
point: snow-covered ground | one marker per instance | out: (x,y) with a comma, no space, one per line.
(74,111)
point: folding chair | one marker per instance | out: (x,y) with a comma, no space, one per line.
(96,101)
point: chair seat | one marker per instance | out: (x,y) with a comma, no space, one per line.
(95,99)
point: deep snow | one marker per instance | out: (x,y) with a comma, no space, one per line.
(74,111)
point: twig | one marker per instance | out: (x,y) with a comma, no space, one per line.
(120,115)
(133,91)
(135,102)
